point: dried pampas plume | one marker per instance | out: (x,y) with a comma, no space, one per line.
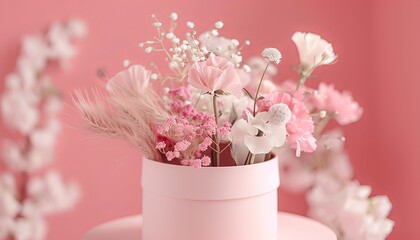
(125,116)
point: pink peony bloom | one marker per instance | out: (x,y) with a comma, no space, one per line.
(215,74)
(300,128)
(340,105)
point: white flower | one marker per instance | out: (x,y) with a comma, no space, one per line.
(221,46)
(350,212)
(328,161)
(9,204)
(272,54)
(218,24)
(313,51)
(174,16)
(190,24)
(76,28)
(260,134)
(19,112)
(6,226)
(49,194)
(30,229)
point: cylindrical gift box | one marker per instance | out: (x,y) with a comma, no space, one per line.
(210,203)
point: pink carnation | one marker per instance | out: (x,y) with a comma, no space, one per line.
(300,127)
(215,74)
(341,104)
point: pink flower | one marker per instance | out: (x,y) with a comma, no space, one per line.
(131,82)
(340,105)
(300,128)
(215,74)
(160,145)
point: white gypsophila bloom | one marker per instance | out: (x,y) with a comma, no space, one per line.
(174,16)
(313,51)
(272,54)
(218,24)
(221,46)
(190,24)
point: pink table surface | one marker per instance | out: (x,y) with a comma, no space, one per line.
(291,227)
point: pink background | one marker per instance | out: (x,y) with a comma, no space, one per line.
(377,44)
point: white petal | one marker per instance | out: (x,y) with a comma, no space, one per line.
(258,145)
(279,135)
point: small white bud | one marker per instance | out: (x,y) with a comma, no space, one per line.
(322,114)
(235,42)
(247,42)
(157,24)
(218,24)
(175,40)
(154,76)
(174,16)
(170,35)
(190,24)
(126,63)
(173,65)
(148,49)
(246,68)
(214,32)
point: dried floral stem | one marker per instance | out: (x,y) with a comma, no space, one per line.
(321,125)
(251,157)
(216,154)
(258,89)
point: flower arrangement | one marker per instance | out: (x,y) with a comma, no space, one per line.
(207,108)
(29,109)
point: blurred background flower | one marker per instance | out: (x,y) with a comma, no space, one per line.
(377,49)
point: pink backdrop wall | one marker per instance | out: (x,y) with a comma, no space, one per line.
(377,46)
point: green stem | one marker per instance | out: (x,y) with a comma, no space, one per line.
(216,154)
